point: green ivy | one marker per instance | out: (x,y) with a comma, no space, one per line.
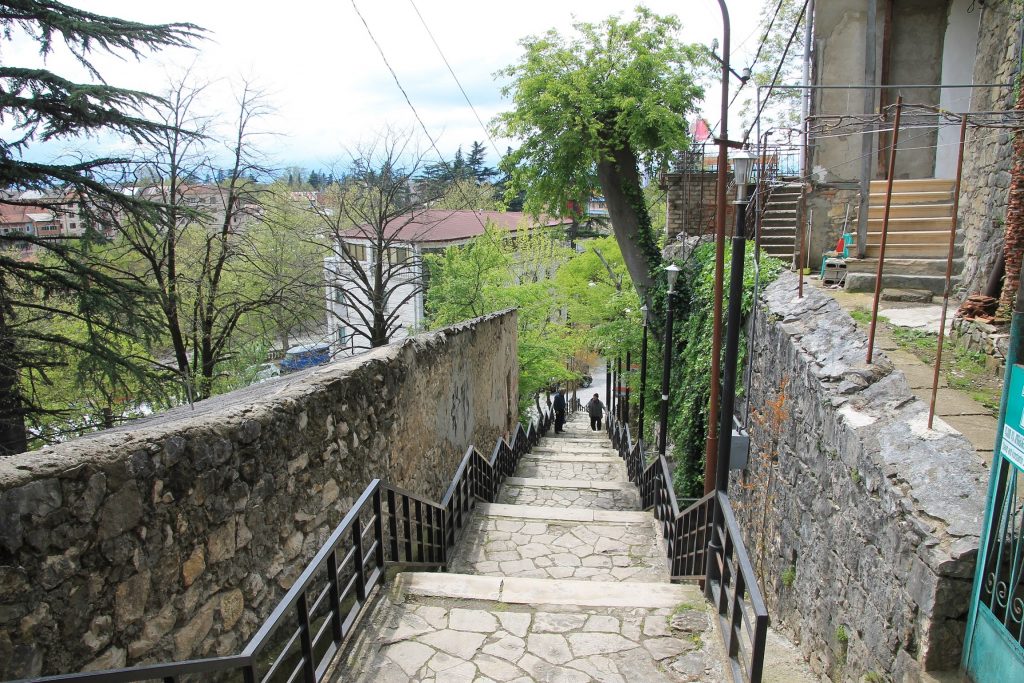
(690,381)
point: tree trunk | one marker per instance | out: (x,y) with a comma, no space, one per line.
(1013,242)
(620,182)
(13,437)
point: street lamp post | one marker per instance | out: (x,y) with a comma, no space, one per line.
(742,164)
(643,378)
(626,391)
(672,272)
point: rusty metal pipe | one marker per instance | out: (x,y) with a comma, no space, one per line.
(949,267)
(711,447)
(885,226)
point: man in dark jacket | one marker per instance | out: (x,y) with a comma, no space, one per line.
(559,406)
(596,409)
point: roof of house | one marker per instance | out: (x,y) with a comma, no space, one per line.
(438,225)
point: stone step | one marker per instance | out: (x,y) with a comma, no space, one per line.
(772,239)
(865,282)
(569,456)
(455,628)
(531,591)
(550,468)
(548,547)
(570,493)
(537,512)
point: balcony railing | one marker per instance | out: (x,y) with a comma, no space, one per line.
(698,550)
(387,526)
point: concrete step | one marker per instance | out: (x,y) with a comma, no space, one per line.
(776,238)
(901,198)
(934,237)
(905,266)
(564,456)
(897,249)
(914,185)
(912,210)
(912,225)
(865,282)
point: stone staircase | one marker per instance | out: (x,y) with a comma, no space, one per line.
(778,224)
(563,579)
(920,220)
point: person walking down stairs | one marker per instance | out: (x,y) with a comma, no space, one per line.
(595,409)
(559,407)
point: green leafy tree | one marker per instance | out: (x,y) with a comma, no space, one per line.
(44,106)
(494,272)
(597,109)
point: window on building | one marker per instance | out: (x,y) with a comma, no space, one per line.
(354,251)
(399,254)
(339,294)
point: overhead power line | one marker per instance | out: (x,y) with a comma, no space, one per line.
(778,68)
(487,133)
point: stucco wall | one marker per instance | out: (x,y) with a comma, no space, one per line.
(862,524)
(173,537)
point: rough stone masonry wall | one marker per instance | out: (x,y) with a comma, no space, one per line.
(174,537)
(988,156)
(862,524)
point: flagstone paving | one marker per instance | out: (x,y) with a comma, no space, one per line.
(563,579)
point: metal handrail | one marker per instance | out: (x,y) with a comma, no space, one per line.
(436,529)
(730,582)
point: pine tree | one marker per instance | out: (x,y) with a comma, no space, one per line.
(476,163)
(64,280)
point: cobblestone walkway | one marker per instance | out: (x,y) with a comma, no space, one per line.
(564,579)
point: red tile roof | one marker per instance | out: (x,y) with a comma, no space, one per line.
(437,225)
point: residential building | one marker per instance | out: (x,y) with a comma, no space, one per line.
(407,240)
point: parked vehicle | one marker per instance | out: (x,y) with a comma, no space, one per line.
(264,372)
(305,356)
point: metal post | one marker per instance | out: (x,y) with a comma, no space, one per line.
(732,345)
(723,162)
(616,389)
(885,227)
(643,382)
(949,268)
(626,391)
(608,390)
(666,369)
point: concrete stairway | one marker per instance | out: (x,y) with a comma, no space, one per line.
(920,220)
(564,579)
(778,224)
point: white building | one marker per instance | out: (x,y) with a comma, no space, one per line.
(406,241)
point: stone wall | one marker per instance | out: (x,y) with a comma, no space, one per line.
(992,341)
(988,157)
(175,536)
(862,524)
(690,201)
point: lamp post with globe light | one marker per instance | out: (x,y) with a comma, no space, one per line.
(672,271)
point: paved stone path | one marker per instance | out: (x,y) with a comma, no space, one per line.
(564,579)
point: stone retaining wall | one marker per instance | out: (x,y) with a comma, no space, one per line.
(174,537)
(993,341)
(862,524)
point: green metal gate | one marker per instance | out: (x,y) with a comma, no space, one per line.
(994,646)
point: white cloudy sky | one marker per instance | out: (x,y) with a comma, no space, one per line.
(326,80)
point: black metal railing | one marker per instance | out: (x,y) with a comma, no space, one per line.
(386,526)
(697,550)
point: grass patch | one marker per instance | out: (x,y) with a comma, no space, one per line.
(789,576)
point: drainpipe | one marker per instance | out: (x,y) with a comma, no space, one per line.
(867,143)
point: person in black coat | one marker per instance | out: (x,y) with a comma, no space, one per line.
(559,406)
(595,409)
